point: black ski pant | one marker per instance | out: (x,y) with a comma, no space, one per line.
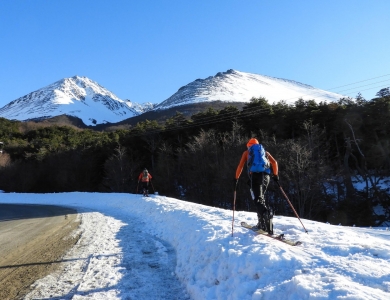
(145,185)
(259,184)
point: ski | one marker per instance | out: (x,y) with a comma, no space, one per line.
(275,237)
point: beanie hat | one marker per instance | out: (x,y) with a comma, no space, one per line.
(251,142)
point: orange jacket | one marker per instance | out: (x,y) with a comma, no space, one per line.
(141,177)
(244,158)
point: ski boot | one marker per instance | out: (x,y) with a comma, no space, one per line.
(261,224)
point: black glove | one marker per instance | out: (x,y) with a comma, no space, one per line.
(276,178)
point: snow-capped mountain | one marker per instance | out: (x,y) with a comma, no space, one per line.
(139,108)
(236,86)
(76,96)
(93,104)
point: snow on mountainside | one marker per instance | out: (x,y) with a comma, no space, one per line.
(76,96)
(235,86)
(93,104)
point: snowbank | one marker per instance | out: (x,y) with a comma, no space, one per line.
(163,248)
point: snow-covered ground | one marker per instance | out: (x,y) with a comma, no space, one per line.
(134,247)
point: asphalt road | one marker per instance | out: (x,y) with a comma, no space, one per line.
(33,238)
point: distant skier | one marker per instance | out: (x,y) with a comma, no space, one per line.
(260,165)
(145,177)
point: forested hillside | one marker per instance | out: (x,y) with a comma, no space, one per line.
(322,150)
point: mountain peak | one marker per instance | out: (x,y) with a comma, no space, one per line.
(76,96)
(237,86)
(81,97)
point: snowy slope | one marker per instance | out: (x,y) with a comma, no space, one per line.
(83,98)
(235,86)
(133,247)
(76,96)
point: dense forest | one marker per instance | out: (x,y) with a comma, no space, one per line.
(323,151)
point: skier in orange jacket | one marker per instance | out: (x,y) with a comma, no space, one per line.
(145,177)
(258,186)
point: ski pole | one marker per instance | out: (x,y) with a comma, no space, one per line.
(284,194)
(234,206)
(152,186)
(137,186)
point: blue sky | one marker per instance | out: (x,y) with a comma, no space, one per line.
(146,50)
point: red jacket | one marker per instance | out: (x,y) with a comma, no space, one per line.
(144,179)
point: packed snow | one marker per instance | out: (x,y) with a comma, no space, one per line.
(135,247)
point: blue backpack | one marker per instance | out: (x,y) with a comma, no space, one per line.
(257,161)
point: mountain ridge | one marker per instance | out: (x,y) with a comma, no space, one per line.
(76,96)
(87,100)
(236,86)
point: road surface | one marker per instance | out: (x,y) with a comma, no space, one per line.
(33,238)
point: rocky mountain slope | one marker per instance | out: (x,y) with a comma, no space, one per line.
(85,99)
(77,96)
(236,86)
